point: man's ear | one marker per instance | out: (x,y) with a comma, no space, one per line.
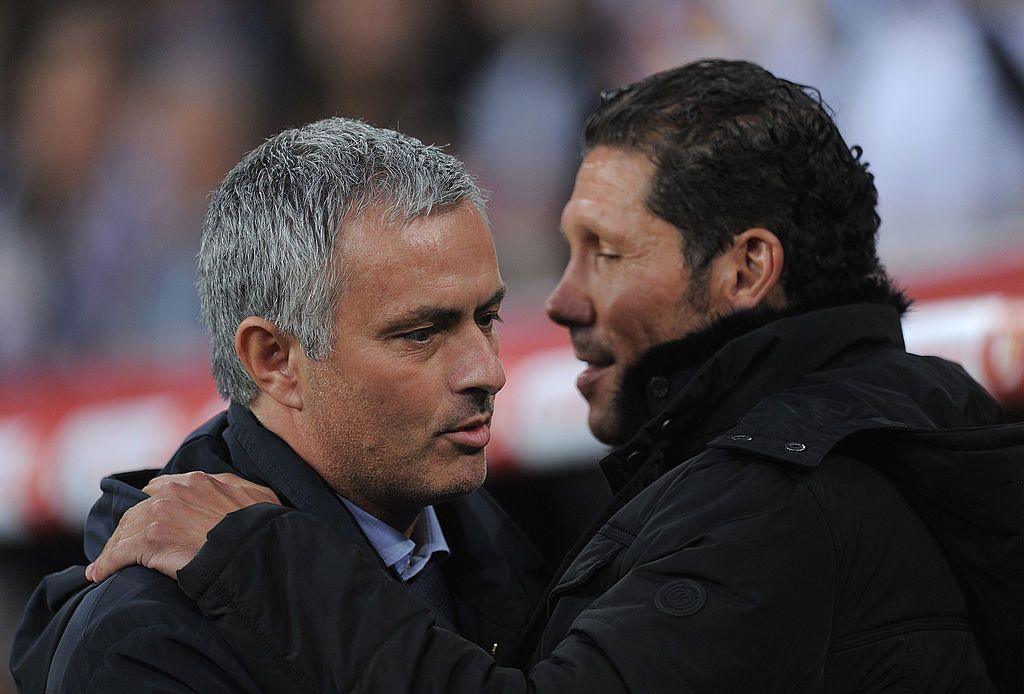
(272,359)
(748,272)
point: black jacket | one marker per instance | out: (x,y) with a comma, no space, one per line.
(137,631)
(811,509)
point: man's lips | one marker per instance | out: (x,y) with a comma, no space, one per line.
(587,381)
(474,434)
(597,360)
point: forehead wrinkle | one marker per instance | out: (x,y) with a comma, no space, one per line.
(425,257)
(407,229)
(625,174)
(605,219)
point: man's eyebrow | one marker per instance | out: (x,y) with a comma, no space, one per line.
(496,298)
(588,227)
(438,315)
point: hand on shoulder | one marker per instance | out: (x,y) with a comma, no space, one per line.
(165,531)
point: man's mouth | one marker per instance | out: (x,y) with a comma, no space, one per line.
(597,366)
(471,435)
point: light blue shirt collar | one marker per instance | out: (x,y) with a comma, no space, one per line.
(406,556)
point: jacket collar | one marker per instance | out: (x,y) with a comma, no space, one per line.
(262,456)
(232,441)
(692,390)
(666,369)
(487,552)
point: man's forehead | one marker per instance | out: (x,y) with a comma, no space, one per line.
(617,171)
(611,189)
(378,236)
(445,259)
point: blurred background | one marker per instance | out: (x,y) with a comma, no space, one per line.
(118,118)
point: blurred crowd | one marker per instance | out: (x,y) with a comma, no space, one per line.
(118,118)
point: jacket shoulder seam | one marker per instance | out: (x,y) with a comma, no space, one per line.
(835,549)
(616,534)
(768,466)
(100,592)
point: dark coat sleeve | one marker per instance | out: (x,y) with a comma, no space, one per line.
(309,611)
(136,632)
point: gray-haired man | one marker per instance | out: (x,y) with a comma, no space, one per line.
(349,281)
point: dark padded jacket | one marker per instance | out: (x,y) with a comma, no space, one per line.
(811,509)
(137,631)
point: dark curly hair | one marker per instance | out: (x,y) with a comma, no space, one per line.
(736,147)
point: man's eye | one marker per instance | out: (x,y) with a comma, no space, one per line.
(487,320)
(608,256)
(419,337)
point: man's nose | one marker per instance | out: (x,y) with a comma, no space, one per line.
(479,368)
(569,304)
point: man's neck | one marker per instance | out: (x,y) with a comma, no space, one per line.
(403,520)
(401,517)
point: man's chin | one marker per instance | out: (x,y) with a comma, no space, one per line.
(612,420)
(606,427)
(466,476)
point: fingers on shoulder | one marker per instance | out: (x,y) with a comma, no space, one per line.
(255,493)
(202,490)
(176,484)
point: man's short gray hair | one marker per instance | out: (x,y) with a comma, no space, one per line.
(271,230)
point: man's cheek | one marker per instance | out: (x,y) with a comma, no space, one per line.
(401,412)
